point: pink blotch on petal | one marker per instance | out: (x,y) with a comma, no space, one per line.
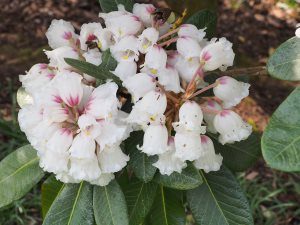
(222,80)
(204,139)
(43,66)
(66,131)
(206,56)
(57,99)
(136,18)
(150,9)
(91,37)
(170,140)
(67,35)
(50,76)
(225,113)
(73,101)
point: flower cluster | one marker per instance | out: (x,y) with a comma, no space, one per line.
(77,128)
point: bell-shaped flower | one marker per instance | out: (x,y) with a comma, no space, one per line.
(144,12)
(218,54)
(103,103)
(103,180)
(69,87)
(169,78)
(149,110)
(188,145)
(155,140)
(54,162)
(172,58)
(209,161)
(87,34)
(60,141)
(61,33)
(58,55)
(214,107)
(123,25)
(37,77)
(126,49)
(155,59)
(187,68)
(112,159)
(188,47)
(85,168)
(231,127)
(139,85)
(147,39)
(125,69)
(83,146)
(167,162)
(190,118)
(105,39)
(230,91)
(190,30)
(111,134)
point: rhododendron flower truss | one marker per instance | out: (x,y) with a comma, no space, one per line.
(77,126)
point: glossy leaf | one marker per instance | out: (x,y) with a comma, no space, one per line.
(189,178)
(73,206)
(240,155)
(281,139)
(109,205)
(112,5)
(139,197)
(140,163)
(101,72)
(51,188)
(19,172)
(202,19)
(167,208)
(284,64)
(219,201)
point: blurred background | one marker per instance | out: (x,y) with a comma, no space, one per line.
(256,28)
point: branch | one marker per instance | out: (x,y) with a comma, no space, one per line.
(251,71)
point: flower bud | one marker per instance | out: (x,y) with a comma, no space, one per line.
(147,39)
(231,127)
(230,91)
(144,12)
(190,30)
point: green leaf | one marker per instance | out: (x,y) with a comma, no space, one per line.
(101,72)
(281,139)
(19,172)
(140,163)
(112,5)
(189,178)
(284,64)
(240,155)
(51,188)
(109,205)
(219,201)
(167,208)
(139,197)
(73,206)
(202,19)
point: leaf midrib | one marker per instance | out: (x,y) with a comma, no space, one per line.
(216,201)
(135,204)
(23,166)
(164,204)
(109,206)
(75,203)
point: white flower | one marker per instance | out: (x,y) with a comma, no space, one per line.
(84,168)
(231,91)
(156,58)
(169,78)
(297,32)
(103,102)
(209,116)
(189,30)
(54,162)
(70,88)
(61,33)
(87,34)
(188,47)
(209,161)
(105,39)
(123,24)
(88,126)
(190,118)
(83,146)
(126,49)
(188,145)
(231,127)
(149,110)
(144,12)
(139,85)
(147,39)
(155,140)
(125,69)
(167,162)
(112,159)
(187,68)
(217,55)
(58,55)
(37,77)
(103,180)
